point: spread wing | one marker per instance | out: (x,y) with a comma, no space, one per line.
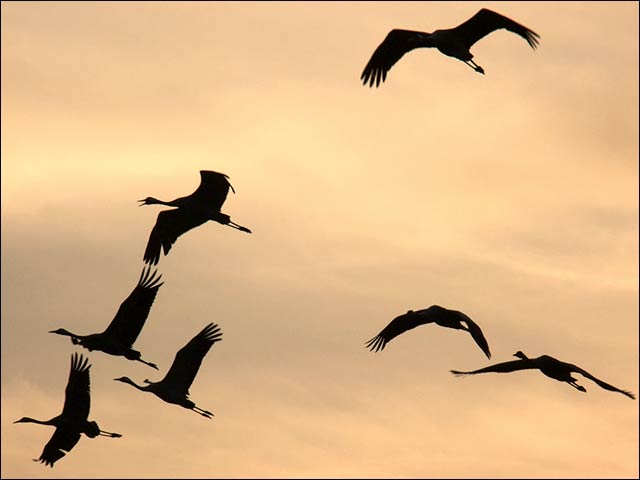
(77,394)
(170,224)
(133,312)
(397,326)
(393,47)
(213,189)
(477,334)
(604,385)
(504,367)
(74,413)
(61,442)
(189,358)
(485,22)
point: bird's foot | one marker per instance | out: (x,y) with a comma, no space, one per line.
(479,70)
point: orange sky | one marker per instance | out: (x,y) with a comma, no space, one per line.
(512,197)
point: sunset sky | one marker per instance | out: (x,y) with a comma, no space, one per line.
(510,196)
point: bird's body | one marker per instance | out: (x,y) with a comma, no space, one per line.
(434,314)
(122,332)
(174,387)
(73,421)
(453,42)
(549,366)
(191,211)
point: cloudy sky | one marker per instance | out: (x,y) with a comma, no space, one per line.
(512,197)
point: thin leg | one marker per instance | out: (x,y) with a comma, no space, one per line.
(152,365)
(475,66)
(202,412)
(239,227)
(576,386)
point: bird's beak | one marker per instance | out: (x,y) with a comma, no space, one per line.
(141,203)
(52,331)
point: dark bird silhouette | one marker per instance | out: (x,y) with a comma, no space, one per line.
(74,417)
(174,387)
(551,367)
(454,42)
(434,314)
(125,327)
(201,206)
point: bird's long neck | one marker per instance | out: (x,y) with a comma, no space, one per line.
(144,388)
(75,339)
(155,201)
(39,422)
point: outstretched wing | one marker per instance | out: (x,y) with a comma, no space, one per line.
(133,312)
(397,326)
(504,367)
(604,385)
(485,22)
(189,358)
(393,47)
(170,224)
(477,334)
(61,442)
(74,413)
(77,399)
(213,189)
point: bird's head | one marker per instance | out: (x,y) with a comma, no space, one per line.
(148,201)
(123,380)
(61,331)
(520,354)
(24,420)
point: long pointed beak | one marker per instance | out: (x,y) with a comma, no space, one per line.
(141,202)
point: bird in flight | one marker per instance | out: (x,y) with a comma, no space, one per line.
(434,314)
(454,42)
(174,387)
(551,367)
(125,327)
(73,420)
(192,211)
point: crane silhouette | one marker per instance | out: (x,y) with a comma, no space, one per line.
(174,387)
(125,327)
(73,420)
(434,314)
(550,366)
(454,42)
(193,210)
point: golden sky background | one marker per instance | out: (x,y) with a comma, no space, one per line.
(512,197)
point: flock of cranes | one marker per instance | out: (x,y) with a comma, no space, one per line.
(204,204)
(120,335)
